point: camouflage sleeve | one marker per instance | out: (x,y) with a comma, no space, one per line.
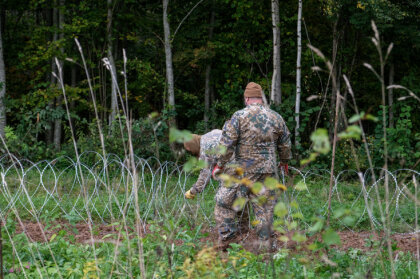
(205,174)
(202,181)
(284,145)
(229,140)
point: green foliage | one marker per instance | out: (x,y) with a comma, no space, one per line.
(24,147)
(403,140)
(238,50)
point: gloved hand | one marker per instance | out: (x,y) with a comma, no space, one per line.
(216,171)
(189,195)
(285,167)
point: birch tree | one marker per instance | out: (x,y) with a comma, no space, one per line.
(276,79)
(114,83)
(168,56)
(2,84)
(298,72)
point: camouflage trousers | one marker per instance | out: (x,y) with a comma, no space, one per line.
(229,221)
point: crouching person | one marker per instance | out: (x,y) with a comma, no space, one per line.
(204,148)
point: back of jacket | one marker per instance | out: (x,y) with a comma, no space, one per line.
(253,135)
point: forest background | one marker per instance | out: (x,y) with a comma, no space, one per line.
(187,65)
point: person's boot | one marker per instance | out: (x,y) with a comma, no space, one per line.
(224,241)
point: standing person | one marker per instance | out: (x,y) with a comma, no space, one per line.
(253,135)
(203,147)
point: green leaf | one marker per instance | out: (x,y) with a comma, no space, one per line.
(299,237)
(256,188)
(301,186)
(317,226)
(348,220)
(292,226)
(179,136)
(270,183)
(311,158)
(190,164)
(154,114)
(371,117)
(352,131)
(356,117)
(331,237)
(52,270)
(298,215)
(53,237)
(321,141)
(239,204)
(294,204)
(193,164)
(280,210)
(339,212)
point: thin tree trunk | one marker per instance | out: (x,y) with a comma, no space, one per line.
(114,101)
(276,79)
(168,58)
(102,91)
(335,91)
(72,102)
(342,115)
(333,73)
(391,97)
(207,96)
(53,80)
(208,75)
(298,73)
(2,85)
(349,74)
(57,122)
(212,109)
(57,125)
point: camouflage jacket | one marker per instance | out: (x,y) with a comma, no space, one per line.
(253,135)
(208,145)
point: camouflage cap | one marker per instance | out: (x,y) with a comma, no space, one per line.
(193,146)
(253,90)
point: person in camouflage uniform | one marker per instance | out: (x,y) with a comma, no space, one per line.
(253,135)
(204,147)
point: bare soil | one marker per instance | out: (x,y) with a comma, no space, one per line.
(82,233)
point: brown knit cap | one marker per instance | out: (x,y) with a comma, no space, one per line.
(253,90)
(193,146)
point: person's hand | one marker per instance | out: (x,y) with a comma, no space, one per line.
(216,171)
(285,168)
(189,195)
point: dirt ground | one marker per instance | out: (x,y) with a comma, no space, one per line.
(82,233)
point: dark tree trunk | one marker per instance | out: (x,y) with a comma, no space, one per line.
(391,97)
(53,81)
(208,74)
(2,82)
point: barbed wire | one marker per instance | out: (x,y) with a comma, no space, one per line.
(37,190)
